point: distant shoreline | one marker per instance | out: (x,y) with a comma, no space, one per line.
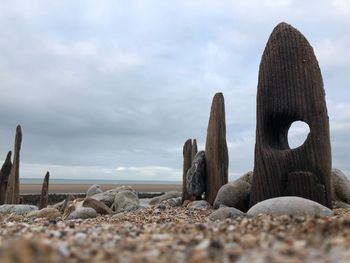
(82,188)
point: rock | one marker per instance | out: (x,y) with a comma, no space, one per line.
(247,177)
(94,189)
(12,191)
(100,207)
(176,201)
(44,197)
(216,153)
(199,205)
(235,194)
(4,176)
(289,205)
(290,88)
(195,178)
(167,195)
(83,213)
(17,209)
(106,197)
(72,206)
(226,212)
(49,213)
(194,149)
(187,151)
(340,189)
(126,201)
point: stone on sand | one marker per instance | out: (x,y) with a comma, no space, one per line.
(235,194)
(198,205)
(289,205)
(167,195)
(17,209)
(100,207)
(94,189)
(226,212)
(49,213)
(83,213)
(126,201)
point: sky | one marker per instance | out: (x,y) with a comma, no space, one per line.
(113,89)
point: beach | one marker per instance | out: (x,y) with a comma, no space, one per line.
(82,188)
(175,234)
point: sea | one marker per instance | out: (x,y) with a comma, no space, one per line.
(93,181)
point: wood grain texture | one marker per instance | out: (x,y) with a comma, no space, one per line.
(194,149)
(216,153)
(4,176)
(290,88)
(44,197)
(12,192)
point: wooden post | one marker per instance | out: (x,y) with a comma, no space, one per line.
(44,197)
(4,175)
(12,192)
(216,153)
(290,88)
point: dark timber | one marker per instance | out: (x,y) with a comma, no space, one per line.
(44,197)
(216,154)
(290,88)
(4,176)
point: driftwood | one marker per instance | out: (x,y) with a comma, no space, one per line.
(44,197)
(4,175)
(12,191)
(216,153)
(290,88)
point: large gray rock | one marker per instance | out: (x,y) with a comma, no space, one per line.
(106,197)
(195,178)
(235,194)
(290,205)
(17,209)
(340,189)
(126,201)
(166,196)
(83,213)
(94,189)
(226,212)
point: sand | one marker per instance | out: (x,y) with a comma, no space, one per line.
(82,188)
(175,234)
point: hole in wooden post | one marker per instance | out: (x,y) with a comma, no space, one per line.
(297,134)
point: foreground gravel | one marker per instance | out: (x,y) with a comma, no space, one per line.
(176,235)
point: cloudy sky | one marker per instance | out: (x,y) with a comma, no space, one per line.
(112,89)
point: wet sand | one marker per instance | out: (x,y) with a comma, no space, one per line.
(82,188)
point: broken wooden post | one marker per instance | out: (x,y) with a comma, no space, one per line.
(44,197)
(216,153)
(12,192)
(4,175)
(290,88)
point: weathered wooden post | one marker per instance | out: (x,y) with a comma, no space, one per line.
(194,149)
(290,88)
(216,153)
(44,197)
(12,192)
(4,175)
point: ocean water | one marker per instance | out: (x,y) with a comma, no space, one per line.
(92,181)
